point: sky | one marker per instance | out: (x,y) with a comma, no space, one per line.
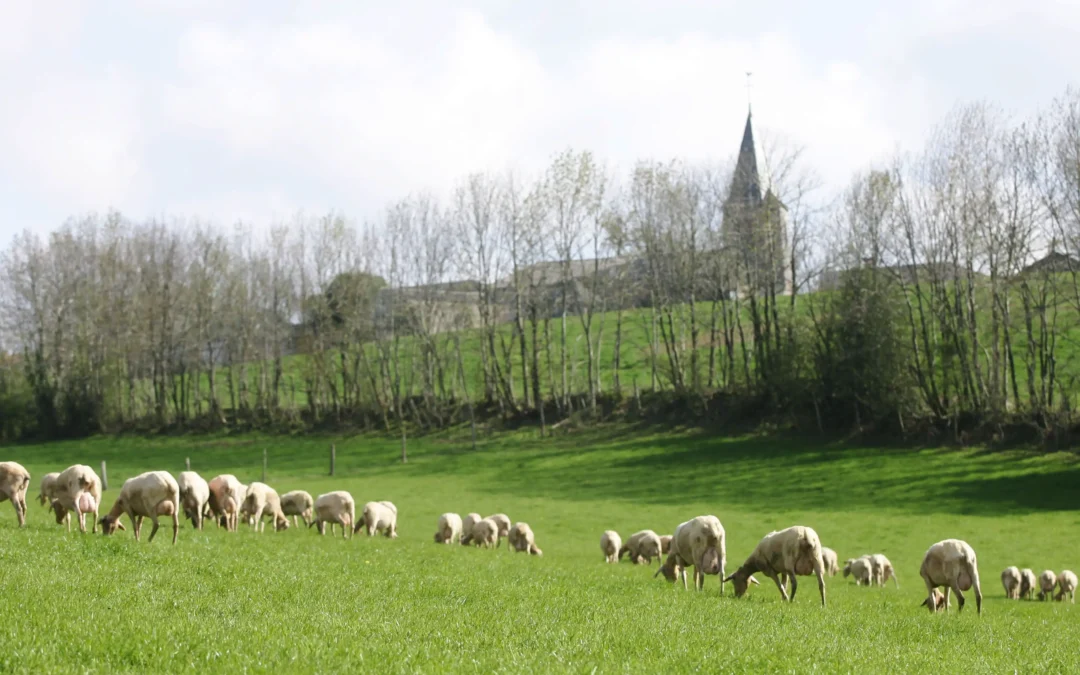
(254,111)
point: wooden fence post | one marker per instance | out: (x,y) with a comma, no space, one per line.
(333,457)
(104,477)
(264,465)
(187,463)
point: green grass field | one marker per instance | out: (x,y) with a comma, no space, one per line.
(297,602)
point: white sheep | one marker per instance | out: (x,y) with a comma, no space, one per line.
(226,495)
(697,543)
(148,495)
(861,568)
(1028,582)
(449,530)
(78,490)
(335,508)
(194,495)
(522,539)
(14,481)
(665,544)
(642,546)
(1010,579)
(485,533)
(831,560)
(793,552)
(883,570)
(1066,582)
(951,563)
(48,488)
(467,526)
(298,504)
(503,522)
(262,501)
(379,517)
(1047,582)
(610,543)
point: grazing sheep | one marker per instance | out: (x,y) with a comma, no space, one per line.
(297,503)
(1010,579)
(379,517)
(642,546)
(793,552)
(861,568)
(610,543)
(938,599)
(485,533)
(262,501)
(665,544)
(697,543)
(951,563)
(1066,582)
(883,570)
(1028,582)
(829,557)
(522,539)
(48,488)
(77,489)
(467,526)
(1047,582)
(194,495)
(449,531)
(503,521)
(14,481)
(151,494)
(226,495)
(335,507)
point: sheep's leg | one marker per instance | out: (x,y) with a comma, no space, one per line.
(136,525)
(67,520)
(154,529)
(821,586)
(776,578)
(175,525)
(930,600)
(794,586)
(959,596)
(947,600)
(344,522)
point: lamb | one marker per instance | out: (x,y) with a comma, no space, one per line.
(698,543)
(467,526)
(449,531)
(379,517)
(1066,582)
(297,503)
(262,500)
(1010,579)
(77,489)
(793,552)
(610,543)
(522,539)
(665,544)
(642,546)
(861,568)
(335,507)
(485,533)
(226,495)
(951,563)
(14,481)
(194,495)
(503,522)
(48,488)
(1047,581)
(151,494)
(829,557)
(883,570)
(1028,582)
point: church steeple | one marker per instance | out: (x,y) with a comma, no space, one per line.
(746,182)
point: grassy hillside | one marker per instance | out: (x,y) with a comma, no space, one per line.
(305,603)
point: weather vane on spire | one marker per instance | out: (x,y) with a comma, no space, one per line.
(749,104)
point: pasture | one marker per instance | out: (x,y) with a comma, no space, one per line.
(271,602)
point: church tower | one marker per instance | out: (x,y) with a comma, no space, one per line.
(755,234)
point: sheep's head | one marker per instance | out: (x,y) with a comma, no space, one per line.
(939,599)
(710,561)
(439,538)
(59,511)
(110,525)
(281,523)
(670,569)
(742,579)
(533,550)
(847,567)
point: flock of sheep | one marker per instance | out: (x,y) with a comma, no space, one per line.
(782,556)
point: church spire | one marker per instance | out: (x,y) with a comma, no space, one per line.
(746,183)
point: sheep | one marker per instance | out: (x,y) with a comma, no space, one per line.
(951,563)
(1028,582)
(379,517)
(861,568)
(194,495)
(261,501)
(14,481)
(150,494)
(449,529)
(335,507)
(699,543)
(665,544)
(297,503)
(829,557)
(48,488)
(642,546)
(77,489)
(937,597)
(1066,582)
(883,570)
(1047,581)
(503,521)
(795,551)
(522,539)
(467,525)
(226,495)
(1010,579)
(610,543)
(485,533)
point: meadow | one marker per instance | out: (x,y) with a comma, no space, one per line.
(248,602)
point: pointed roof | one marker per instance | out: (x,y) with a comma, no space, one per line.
(747,184)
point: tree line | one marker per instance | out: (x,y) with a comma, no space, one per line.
(915,300)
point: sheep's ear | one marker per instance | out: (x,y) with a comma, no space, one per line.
(754,581)
(730,578)
(658,571)
(120,525)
